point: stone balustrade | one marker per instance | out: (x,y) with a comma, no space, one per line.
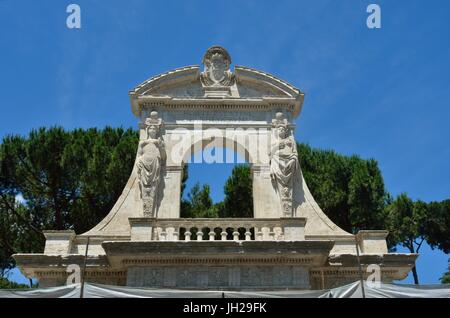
(223,229)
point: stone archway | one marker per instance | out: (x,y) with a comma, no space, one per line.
(246,110)
(245,142)
(293,245)
(186,108)
(212,162)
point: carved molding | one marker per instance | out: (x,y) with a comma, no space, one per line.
(218,261)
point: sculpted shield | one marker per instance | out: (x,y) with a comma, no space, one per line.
(217,68)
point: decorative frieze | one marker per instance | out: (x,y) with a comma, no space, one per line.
(250,276)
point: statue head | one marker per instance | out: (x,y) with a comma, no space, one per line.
(283,131)
(152,131)
(153,125)
(281,126)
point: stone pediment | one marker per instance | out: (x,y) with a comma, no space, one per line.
(187,84)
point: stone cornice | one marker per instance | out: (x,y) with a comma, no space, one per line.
(98,239)
(367,234)
(350,271)
(390,259)
(216,261)
(345,237)
(90,273)
(208,252)
(141,96)
(190,72)
(247,73)
(68,234)
(229,104)
(218,247)
(44,261)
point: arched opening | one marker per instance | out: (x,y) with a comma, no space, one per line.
(217,182)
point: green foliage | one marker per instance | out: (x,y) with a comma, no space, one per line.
(6,284)
(184,204)
(16,235)
(238,200)
(445,279)
(411,223)
(350,190)
(437,225)
(108,157)
(184,178)
(69,180)
(406,222)
(199,203)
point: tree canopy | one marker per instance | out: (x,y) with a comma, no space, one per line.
(65,179)
(349,189)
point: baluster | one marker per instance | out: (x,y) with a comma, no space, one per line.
(280,234)
(163,235)
(258,234)
(199,235)
(176,234)
(223,235)
(212,235)
(169,232)
(236,235)
(248,235)
(272,235)
(187,235)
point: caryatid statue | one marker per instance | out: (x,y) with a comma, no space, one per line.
(151,157)
(284,164)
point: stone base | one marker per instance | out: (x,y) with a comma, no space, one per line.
(223,265)
(220,277)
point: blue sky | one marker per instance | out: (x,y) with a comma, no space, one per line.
(381,94)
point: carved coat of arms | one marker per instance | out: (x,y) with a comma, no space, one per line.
(217,68)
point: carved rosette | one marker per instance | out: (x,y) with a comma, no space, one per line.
(217,72)
(151,157)
(284,164)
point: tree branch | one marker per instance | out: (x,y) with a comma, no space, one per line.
(13,210)
(419,245)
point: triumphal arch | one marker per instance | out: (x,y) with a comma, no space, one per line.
(289,243)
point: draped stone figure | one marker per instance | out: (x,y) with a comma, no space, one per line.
(283,163)
(151,156)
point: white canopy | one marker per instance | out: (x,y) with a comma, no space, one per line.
(348,291)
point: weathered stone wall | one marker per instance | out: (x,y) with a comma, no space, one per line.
(238,277)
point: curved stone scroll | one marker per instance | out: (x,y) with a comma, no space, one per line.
(151,157)
(284,165)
